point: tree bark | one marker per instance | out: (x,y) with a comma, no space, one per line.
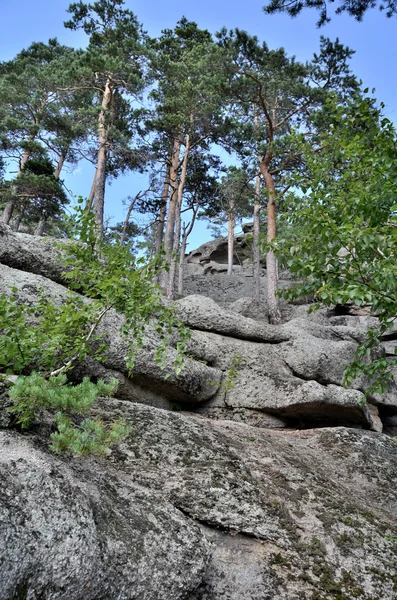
(58,168)
(41,226)
(100,175)
(127,220)
(18,220)
(187,230)
(90,198)
(271,261)
(163,211)
(256,255)
(177,235)
(10,206)
(231,224)
(172,206)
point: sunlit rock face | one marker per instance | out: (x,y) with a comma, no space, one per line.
(271,481)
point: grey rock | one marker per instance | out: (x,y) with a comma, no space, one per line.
(5,402)
(80,535)
(279,508)
(196,383)
(390,347)
(298,381)
(221,287)
(216,251)
(31,253)
(376,420)
(248,307)
(249,416)
(204,314)
(248,227)
(195,509)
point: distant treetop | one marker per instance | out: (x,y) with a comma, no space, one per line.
(355,8)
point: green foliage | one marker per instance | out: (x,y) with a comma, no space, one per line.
(46,336)
(33,395)
(115,279)
(233,198)
(90,437)
(354,8)
(51,336)
(346,217)
(232,374)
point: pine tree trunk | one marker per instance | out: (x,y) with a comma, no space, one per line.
(58,168)
(186,232)
(18,220)
(181,267)
(170,227)
(271,261)
(100,175)
(127,220)
(231,223)
(177,236)
(12,202)
(90,198)
(170,290)
(172,206)
(256,255)
(41,226)
(163,211)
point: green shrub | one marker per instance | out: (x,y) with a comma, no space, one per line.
(42,343)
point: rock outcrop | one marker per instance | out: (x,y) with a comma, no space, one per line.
(273,482)
(195,509)
(197,383)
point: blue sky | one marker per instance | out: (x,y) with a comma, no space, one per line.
(374,39)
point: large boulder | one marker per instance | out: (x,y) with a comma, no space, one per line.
(293,372)
(195,509)
(216,251)
(199,312)
(81,533)
(31,253)
(196,383)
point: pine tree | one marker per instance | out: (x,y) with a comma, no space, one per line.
(354,8)
(111,67)
(269,92)
(30,107)
(189,113)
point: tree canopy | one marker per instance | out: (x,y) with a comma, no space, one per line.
(354,8)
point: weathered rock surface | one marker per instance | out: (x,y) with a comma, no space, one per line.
(298,381)
(239,506)
(88,534)
(198,382)
(216,252)
(292,373)
(195,509)
(31,253)
(199,312)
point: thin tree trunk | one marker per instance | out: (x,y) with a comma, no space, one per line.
(231,224)
(256,255)
(271,261)
(170,289)
(172,206)
(41,225)
(18,220)
(127,219)
(58,168)
(10,206)
(187,230)
(177,236)
(163,211)
(90,198)
(100,176)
